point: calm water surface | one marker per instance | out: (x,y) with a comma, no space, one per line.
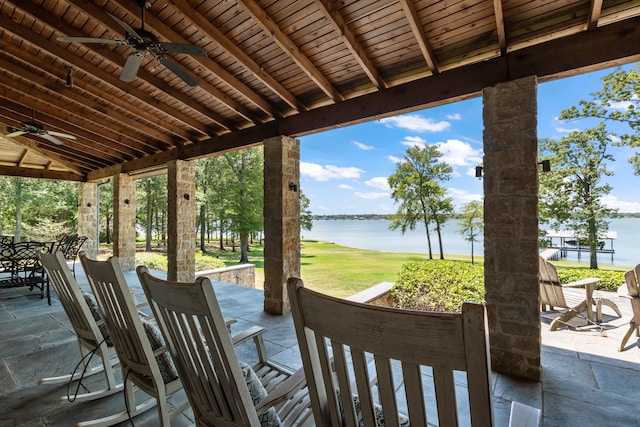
(375,235)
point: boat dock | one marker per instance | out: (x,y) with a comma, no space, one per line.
(561,242)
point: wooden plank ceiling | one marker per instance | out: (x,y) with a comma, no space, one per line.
(270,67)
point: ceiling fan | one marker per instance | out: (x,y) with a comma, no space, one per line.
(33,128)
(145,43)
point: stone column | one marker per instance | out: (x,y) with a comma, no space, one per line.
(511,226)
(88,217)
(124,220)
(281,220)
(181,221)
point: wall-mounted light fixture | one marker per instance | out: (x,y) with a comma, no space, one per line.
(69,79)
(293,186)
(126,201)
(88,205)
(186,196)
(546,165)
(479,170)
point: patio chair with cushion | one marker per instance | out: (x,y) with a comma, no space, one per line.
(553,294)
(633,294)
(144,358)
(92,334)
(222,390)
(429,368)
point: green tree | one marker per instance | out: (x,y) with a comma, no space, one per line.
(415,185)
(245,206)
(152,209)
(571,194)
(471,223)
(306,217)
(617,102)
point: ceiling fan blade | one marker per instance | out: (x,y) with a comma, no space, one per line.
(187,49)
(51,138)
(64,39)
(15,133)
(130,31)
(130,70)
(177,70)
(61,135)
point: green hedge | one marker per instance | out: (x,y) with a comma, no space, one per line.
(438,285)
(441,285)
(158,261)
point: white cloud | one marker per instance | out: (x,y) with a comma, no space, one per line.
(458,153)
(614,138)
(325,173)
(380,182)
(362,146)
(395,159)
(415,123)
(413,141)
(462,197)
(613,202)
(621,105)
(454,116)
(345,187)
(371,195)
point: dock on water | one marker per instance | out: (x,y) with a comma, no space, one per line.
(560,242)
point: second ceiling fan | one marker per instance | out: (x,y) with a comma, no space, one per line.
(145,43)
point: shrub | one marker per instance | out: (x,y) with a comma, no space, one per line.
(438,285)
(611,279)
(157,261)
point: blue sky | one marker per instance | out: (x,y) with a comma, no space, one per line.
(345,171)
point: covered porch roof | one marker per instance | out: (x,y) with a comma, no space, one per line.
(290,67)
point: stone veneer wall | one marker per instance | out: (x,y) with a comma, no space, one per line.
(242,275)
(511,226)
(88,217)
(124,220)
(181,219)
(281,220)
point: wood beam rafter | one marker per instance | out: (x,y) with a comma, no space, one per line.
(39,173)
(218,37)
(594,14)
(502,37)
(35,147)
(290,48)
(419,34)
(349,39)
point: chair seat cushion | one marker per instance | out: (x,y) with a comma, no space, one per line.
(258,392)
(165,363)
(403,420)
(97,316)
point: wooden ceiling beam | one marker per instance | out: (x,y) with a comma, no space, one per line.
(608,46)
(502,37)
(290,48)
(339,25)
(117,60)
(218,37)
(146,121)
(111,143)
(594,14)
(419,34)
(126,89)
(48,82)
(39,173)
(34,146)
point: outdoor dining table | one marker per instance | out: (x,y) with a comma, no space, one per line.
(20,266)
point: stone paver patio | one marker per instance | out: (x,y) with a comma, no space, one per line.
(586,381)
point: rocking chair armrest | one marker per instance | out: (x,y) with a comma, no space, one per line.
(283,391)
(582,282)
(247,334)
(160,350)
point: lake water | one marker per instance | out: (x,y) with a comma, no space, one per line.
(375,235)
